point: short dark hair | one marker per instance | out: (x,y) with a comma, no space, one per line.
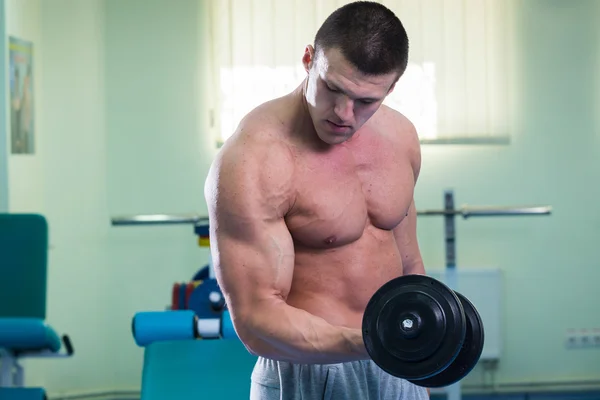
(369,35)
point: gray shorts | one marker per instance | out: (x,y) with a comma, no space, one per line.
(360,380)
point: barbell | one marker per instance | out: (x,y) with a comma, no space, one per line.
(465,212)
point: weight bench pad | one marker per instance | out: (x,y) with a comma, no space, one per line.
(28,334)
(22,394)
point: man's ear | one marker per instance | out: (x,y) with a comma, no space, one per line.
(308,58)
(392,87)
(394,84)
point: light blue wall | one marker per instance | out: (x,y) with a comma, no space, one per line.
(72,152)
(550,264)
(121,130)
(157,158)
(157,151)
(26,171)
(126,133)
(3,115)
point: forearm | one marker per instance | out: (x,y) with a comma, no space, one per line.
(285,333)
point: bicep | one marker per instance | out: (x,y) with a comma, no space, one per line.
(251,247)
(253,259)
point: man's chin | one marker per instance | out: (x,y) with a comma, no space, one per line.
(332,139)
(333,135)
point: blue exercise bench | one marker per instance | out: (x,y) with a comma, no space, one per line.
(191,349)
(24,332)
(187,356)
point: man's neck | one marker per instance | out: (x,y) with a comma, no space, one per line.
(303,123)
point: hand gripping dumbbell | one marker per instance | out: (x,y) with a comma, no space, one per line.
(417,328)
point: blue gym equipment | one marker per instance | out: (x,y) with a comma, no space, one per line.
(191,347)
(24,331)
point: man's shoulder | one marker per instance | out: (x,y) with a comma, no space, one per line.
(401,134)
(397,128)
(254,133)
(262,126)
(254,164)
(257,148)
(403,126)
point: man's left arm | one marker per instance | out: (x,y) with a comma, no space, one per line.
(406,232)
(406,240)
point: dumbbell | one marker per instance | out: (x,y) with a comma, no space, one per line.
(417,328)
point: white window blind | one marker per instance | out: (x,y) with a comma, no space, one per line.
(455,89)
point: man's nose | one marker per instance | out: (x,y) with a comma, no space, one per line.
(344,108)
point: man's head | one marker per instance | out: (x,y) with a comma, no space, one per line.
(360,51)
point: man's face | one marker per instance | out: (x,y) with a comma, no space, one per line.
(340,98)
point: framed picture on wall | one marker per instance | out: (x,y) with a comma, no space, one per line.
(22,132)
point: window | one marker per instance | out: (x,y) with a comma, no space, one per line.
(455,89)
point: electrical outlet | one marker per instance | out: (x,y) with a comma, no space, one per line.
(585,338)
(572,339)
(582,338)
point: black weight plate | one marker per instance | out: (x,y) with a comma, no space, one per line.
(435,338)
(469,353)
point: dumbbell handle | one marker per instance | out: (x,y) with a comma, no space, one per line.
(156,326)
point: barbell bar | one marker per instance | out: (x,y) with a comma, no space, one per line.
(465,211)
(157,219)
(488,211)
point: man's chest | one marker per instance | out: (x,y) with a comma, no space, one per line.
(339,194)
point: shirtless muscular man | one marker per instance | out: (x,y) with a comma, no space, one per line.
(311,211)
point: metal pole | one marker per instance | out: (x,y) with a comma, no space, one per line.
(158,219)
(449,212)
(449,229)
(488,211)
(453,392)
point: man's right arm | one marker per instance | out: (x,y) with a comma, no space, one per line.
(248,192)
